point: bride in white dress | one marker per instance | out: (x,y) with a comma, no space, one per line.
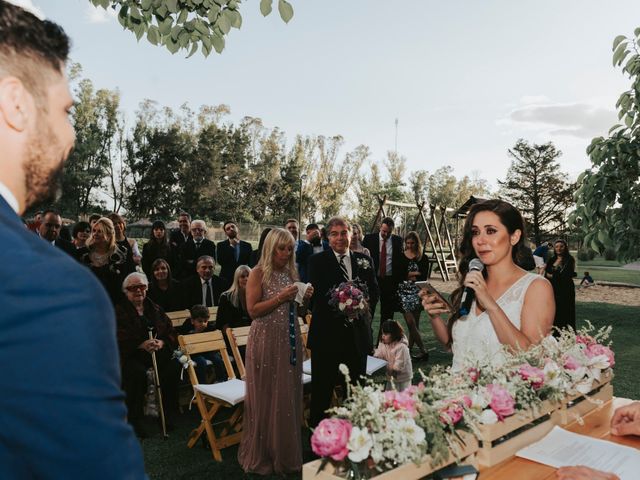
(512,307)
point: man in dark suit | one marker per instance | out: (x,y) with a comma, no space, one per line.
(304,249)
(204,288)
(194,248)
(180,236)
(232,253)
(390,272)
(333,339)
(63,411)
(49,230)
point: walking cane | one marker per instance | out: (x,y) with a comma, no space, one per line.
(157,383)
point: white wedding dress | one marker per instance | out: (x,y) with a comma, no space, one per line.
(475,341)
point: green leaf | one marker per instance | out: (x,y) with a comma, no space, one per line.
(172,5)
(617,55)
(218,43)
(618,39)
(182,17)
(164,27)
(286,10)
(201,27)
(146,4)
(194,49)
(139,31)
(172,46)
(153,35)
(213,12)
(234,18)
(223,23)
(265,7)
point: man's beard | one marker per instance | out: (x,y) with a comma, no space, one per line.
(43,177)
(316,241)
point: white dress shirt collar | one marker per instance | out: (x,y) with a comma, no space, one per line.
(347,261)
(9,197)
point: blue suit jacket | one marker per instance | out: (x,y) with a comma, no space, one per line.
(62,412)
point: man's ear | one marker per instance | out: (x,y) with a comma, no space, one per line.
(15,103)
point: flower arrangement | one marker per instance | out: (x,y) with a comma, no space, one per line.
(363,263)
(183,360)
(349,298)
(375,430)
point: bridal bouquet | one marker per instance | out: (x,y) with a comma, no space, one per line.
(349,298)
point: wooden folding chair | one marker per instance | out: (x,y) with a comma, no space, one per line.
(238,337)
(212,398)
(213,313)
(178,317)
(304,333)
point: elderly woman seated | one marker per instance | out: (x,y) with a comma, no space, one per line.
(136,317)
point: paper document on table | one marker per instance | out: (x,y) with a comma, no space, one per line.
(561,448)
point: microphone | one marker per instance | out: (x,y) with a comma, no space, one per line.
(468,294)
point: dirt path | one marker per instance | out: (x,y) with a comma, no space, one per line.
(596,293)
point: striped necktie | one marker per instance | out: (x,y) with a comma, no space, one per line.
(343,267)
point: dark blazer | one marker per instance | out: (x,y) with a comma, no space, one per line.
(170,299)
(66,247)
(192,291)
(304,251)
(231,316)
(114,272)
(327,326)
(398,259)
(63,393)
(176,239)
(188,256)
(151,251)
(227,259)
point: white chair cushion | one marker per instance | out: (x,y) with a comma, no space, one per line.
(306,367)
(374,364)
(232,391)
(306,378)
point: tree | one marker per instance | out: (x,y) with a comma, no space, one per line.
(536,186)
(608,194)
(186,24)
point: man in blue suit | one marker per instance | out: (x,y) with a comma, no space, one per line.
(62,412)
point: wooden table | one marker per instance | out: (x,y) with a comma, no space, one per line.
(596,424)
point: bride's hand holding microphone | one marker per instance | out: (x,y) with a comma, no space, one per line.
(475,281)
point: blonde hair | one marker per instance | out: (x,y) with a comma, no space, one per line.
(108,231)
(234,290)
(275,238)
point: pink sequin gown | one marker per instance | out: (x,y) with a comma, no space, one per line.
(271,437)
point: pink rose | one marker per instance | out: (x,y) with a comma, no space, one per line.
(533,375)
(474,374)
(584,339)
(502,403)
(571,363)
(413,389)
(452,414)
(330,438)
(596,349)
(401,401)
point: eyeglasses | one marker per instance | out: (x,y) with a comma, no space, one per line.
(133,288)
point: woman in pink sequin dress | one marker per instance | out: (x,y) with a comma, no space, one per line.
(271,439)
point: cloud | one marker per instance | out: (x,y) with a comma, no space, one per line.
(29,6)
(580,119)
(99,14)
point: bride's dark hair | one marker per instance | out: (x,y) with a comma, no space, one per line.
(511,218)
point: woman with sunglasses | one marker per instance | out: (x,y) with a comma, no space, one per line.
(136,316)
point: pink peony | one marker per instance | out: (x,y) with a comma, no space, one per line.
(413,389)
(502,403)
(466,400)
(571,363)
(533,375)
(330,438)
(452,414)
(596,349)
(401,401)
(474,374)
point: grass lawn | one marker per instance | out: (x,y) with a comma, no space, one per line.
(171,459)
(610,274)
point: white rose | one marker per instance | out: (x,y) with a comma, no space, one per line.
(183,359)
(349,301)
(341,306)
(599,361)
(359,445)
(479,400)
(488,417)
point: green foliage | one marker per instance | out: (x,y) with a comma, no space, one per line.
(608,194)
(586,254)
(610,254)
(536,186)
(185,24)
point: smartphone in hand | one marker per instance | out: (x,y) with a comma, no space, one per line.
(432,291)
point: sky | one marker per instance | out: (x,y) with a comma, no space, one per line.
(465,78)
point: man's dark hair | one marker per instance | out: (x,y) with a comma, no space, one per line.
(27,44)
(312,226)
(50,210)
(94,217)
(184,214)
(227,223)
(199,312)
(80,227)
(388,221)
